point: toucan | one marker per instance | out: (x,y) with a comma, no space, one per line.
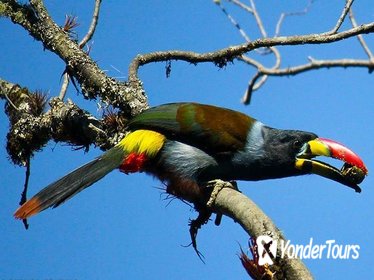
(186,145)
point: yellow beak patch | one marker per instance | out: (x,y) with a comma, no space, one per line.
(318,148)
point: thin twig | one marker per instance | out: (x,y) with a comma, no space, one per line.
(64,86)
(360,37)
(82,43)
(318,64)
(340,21)
(258,19)
(284,15)
(92,28)
(312,65)
(257,84)
(241,5)
(246,99)
(25,187)
(9,100)
(253,11)
(274,50)
(234,22)
(250,61)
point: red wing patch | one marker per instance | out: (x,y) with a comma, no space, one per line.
(133,162)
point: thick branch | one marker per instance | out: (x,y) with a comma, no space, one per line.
(130,98)
(255,222)
(31,128)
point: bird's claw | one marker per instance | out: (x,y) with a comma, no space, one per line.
(217,186)
(195,225)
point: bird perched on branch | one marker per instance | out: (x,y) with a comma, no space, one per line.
(187,144)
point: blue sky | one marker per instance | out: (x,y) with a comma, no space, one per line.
(122,227)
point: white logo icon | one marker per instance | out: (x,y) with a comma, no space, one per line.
(267,249)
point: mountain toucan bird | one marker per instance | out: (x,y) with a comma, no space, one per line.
(187,144)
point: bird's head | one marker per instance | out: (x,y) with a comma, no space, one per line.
(296,150)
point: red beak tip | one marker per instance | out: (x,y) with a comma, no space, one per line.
(341,152)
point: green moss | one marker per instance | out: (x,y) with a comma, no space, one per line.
(3,10)
(18,17)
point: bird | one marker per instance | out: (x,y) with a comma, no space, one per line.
(187,144)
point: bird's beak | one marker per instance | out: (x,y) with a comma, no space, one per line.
(352,172)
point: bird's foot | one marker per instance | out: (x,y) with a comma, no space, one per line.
(195,225)
(217,186)
(204,210)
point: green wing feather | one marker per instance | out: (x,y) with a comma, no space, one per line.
(213,129)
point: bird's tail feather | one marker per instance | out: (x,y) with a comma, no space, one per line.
(71,184)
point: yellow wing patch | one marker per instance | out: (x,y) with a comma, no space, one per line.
(143,141)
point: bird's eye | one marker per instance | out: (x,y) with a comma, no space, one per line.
(297,145)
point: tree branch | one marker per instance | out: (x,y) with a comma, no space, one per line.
(255,222)
(340,21)
(262,72)
(31,128)
(314,64)
(82,43)
(360,37)
(233,21)
(92,28)
(223,56)
(129,97)
(284,15)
